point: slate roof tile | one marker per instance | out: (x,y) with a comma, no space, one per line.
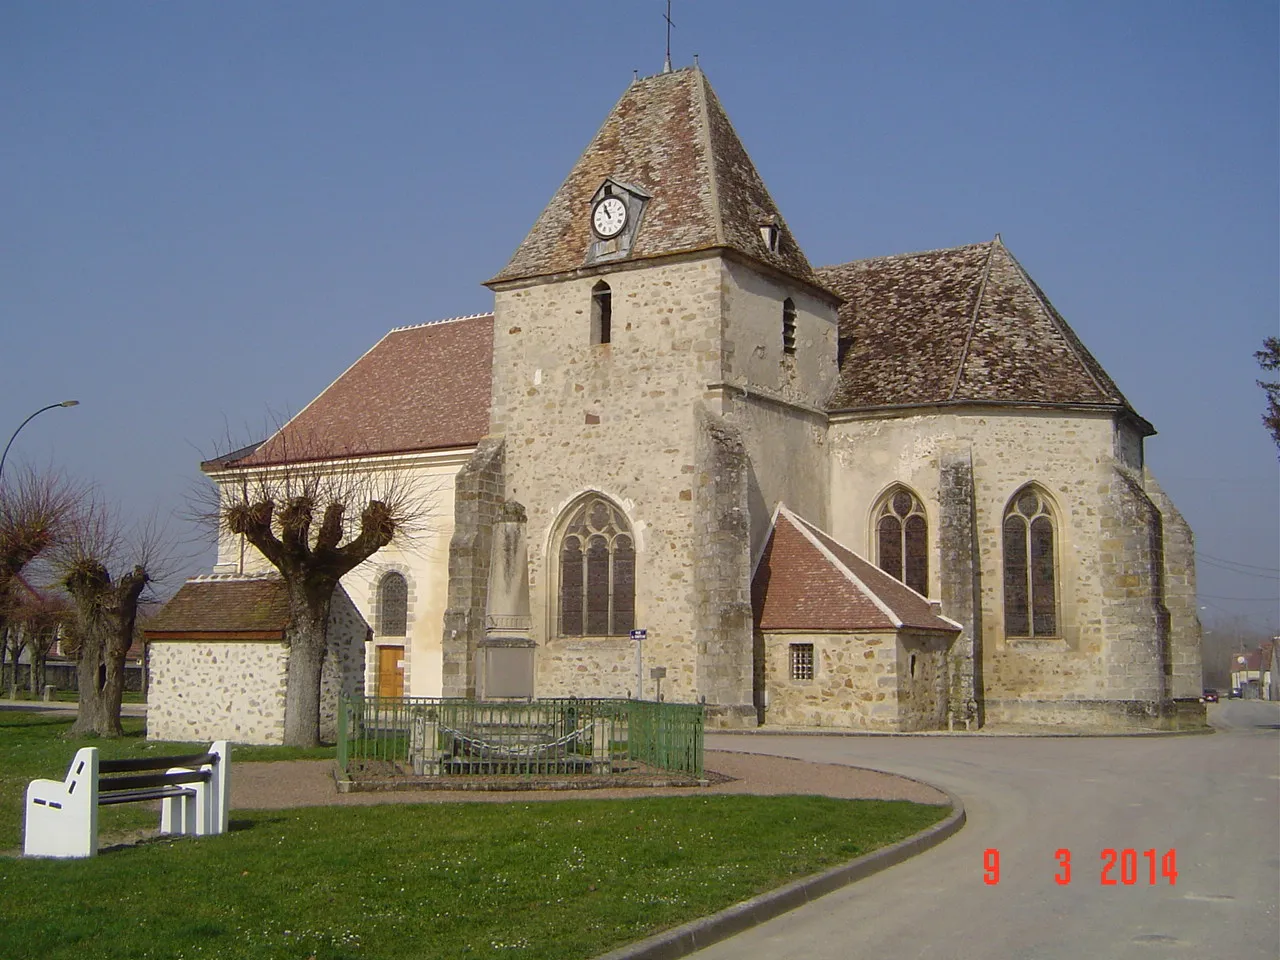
(965,324)
(669,136)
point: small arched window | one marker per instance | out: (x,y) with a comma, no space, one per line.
(601,313)
(1030,567)
(597,572)
(902,539)
(788,326)
(393,605)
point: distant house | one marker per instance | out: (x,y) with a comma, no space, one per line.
(1252,672)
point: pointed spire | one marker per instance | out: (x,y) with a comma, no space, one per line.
(669,137)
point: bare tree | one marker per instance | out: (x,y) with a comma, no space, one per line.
(314,516)
(105,573)
(35,507)
(1269,359)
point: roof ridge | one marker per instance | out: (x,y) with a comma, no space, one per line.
(808,533)
(973,318)
(234,577)
(713,172)
(433,323)
(1060,324)
(905,256)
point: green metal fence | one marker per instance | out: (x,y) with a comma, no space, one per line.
(389,737)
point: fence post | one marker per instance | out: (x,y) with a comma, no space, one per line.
(343,706)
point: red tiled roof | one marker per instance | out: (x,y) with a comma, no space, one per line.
(668,136)
(965,324)
(807,581)
(418,388)
(224,604)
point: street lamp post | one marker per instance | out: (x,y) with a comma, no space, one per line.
(3,456)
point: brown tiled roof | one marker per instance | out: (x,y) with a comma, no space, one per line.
(224,604)
(805,580)
(419,388)
(965,324)
(670,137)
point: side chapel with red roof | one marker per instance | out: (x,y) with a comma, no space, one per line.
(892,494)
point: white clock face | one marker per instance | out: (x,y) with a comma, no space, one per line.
(609,217)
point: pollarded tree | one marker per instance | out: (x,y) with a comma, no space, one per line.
(105,575)
(314,516)
(1269,358)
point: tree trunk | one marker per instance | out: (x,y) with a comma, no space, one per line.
(110,696)
(307,637)
(87,660)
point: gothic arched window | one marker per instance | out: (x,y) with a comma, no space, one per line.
(1030,567)
(788,326)
(601,313)
(393,605)
(597,572)
(902,539)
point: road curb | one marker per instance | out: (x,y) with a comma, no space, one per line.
(690,937)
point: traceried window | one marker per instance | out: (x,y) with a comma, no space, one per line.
(1030,567)
(393,605)
(597,572)
(788,326)
(601,313)
(902,539)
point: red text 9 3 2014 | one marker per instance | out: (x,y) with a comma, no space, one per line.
(1126,867)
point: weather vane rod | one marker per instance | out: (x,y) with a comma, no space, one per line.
(666,65)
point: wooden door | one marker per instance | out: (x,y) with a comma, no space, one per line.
(390,671)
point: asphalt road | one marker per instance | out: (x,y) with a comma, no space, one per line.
(1214,800)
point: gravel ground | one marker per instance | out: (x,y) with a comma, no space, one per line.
(310,783)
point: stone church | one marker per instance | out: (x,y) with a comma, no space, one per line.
(893,494)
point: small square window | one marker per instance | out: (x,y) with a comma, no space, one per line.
(802,661)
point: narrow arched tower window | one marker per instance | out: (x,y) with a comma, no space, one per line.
(601,313)
(597,572)
(788,326)
(902,539)
(393,605)
(1030,567)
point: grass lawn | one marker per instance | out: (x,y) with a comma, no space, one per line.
(568,879)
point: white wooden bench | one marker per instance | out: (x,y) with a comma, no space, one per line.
(62,815)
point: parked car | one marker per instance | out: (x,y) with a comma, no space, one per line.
(1235,693)
(1210,696)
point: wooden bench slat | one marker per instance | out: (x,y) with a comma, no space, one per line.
(155,763)
(116,784)
(132,796)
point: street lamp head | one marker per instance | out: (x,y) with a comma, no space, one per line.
(69,403)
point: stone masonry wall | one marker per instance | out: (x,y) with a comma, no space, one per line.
(1135,621)
(207,690)
(478,491)
(343,670)
(616,419)
(1071,457)
(854,685)
(1185,634)
(722,573)
(959,582)
(923,680)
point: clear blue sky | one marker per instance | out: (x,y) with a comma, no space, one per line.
(209,210)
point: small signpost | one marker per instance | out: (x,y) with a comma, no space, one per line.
(657,673)
(639,636)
